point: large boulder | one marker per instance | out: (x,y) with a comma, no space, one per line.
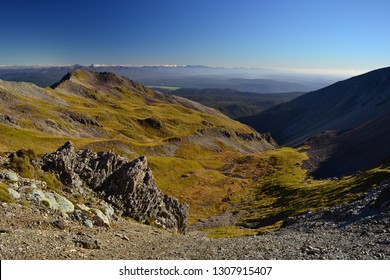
(53,200)
(9,175)
(129,186)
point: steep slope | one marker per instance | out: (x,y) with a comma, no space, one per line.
(187,144)
(357,110)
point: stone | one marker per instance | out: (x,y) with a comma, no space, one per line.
(59,224)
(14,185)
(86,241)
(82,218)
(83,207)
(124,237)
(9,175)
(133,190)
(310,250)
(14,194)
(101,218)
(129,186)
(88,223)
(5,230)
(59,202)
(109,212)
(52,200)
(39,196)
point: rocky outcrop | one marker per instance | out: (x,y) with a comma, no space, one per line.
(129,186)
(83,168)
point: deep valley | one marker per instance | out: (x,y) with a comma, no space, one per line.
(100,165)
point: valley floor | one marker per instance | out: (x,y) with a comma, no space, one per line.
(358,230)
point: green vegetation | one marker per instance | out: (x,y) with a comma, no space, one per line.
(21,163)
(190,181)
(229,232)
(285,189)
(128,119)
(46,203)
(4,195)
(210,176)
(51,180)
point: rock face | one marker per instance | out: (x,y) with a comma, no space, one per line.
(129,186)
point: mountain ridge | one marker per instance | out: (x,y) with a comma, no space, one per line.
(350,107)
(187,144)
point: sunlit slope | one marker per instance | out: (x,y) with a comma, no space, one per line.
(187,143)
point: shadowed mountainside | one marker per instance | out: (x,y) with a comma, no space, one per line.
(355,111)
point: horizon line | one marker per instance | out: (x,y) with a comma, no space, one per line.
(312,71)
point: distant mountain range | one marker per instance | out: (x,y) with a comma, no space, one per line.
(346,125)
(243,79)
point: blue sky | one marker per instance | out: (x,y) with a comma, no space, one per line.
(283,34)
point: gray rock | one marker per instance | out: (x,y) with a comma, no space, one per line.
(88,223)
(13,193)
(100,216)
(60,224)
(83,207)
(83,218)
(9,175)
(52,200)
(133,190)
(14,185)
(124,237)
(86,241)
(129,186)
(60,203)
(5,230)
(109,212)
(39,196)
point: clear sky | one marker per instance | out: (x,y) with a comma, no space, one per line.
(287,34)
